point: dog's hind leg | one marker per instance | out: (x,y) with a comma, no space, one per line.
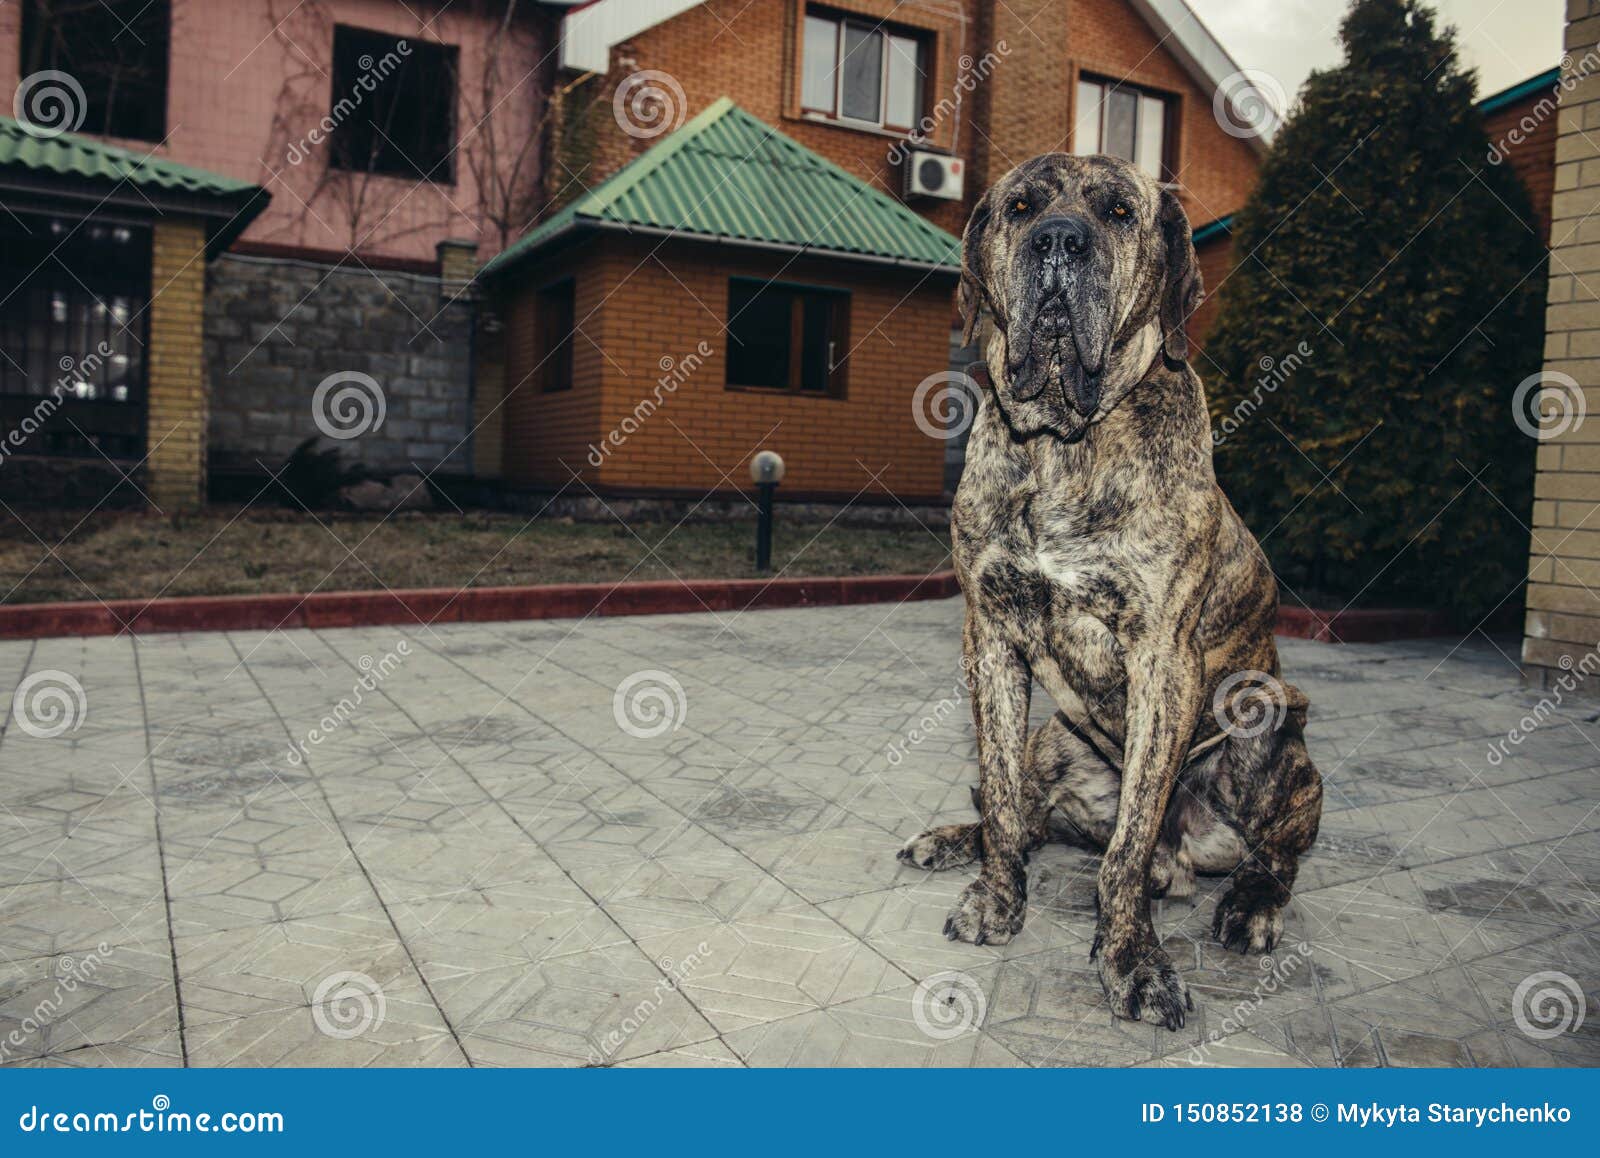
(1278,826)
(1061,771)
(946,847)
(1078,787)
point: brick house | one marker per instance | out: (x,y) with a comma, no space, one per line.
(727,291)
(881,90)
(384,150)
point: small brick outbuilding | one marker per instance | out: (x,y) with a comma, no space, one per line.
(728,291)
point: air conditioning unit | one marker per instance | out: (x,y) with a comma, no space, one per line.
(933,175)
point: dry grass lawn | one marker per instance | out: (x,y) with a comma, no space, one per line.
(48,556)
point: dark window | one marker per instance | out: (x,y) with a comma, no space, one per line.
(72,336)
(553,319)
(863,72)
(787,337)
(393,105)
(1127,122)
(115,51)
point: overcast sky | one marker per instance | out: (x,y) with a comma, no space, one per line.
(1505,40)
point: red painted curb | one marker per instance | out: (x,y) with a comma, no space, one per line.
(576,600)
(1374,625)
(472,605)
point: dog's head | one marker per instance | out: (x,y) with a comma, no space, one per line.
(1088,268)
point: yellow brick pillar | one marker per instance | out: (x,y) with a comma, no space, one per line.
(458,264)
(178,405)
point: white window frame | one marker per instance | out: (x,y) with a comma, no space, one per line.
(886,35)
(1106,85)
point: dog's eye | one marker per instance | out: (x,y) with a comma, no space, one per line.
(1120,210)
(1020,206)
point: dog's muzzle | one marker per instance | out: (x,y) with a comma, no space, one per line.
(1061,341)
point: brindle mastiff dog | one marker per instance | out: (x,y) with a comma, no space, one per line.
(1098,556)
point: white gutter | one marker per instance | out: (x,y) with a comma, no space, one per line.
(589,32)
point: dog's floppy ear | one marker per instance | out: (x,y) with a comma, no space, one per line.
(1181,289)
(971,296)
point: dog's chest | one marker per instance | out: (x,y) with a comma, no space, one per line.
(1057,590)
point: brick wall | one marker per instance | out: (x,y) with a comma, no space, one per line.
(546,434)
(1524,136)
(1216,258)
(656,311)
(1563,619)
(177,412)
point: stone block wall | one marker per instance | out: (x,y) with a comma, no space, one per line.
(276,328)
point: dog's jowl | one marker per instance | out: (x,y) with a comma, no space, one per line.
(1098,557)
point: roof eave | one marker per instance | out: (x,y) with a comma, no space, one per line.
(1203,57)
(226,214)
(577,225)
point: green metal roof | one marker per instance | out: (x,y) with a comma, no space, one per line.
(97,170)
(1221,227)
(1506,96)
(730,177)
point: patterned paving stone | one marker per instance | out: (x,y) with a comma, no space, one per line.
(495,859)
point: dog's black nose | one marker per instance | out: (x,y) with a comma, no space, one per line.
(1064,236)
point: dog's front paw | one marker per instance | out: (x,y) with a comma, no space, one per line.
(1141,983)
(986,915)
(1249,917)
(947,847)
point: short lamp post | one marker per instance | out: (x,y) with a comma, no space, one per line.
(766,471)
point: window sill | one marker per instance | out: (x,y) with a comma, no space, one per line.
(902,135)
(411,177)
(785,392)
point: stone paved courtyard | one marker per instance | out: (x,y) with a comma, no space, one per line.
(516,849)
